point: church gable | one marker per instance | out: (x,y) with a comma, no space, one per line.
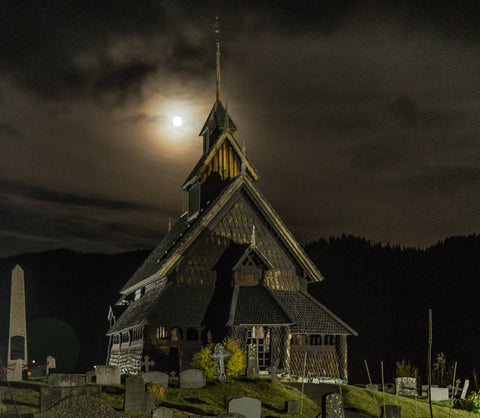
(234,226)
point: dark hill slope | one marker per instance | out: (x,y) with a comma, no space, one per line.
(385,292)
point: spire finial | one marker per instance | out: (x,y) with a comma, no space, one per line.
(217,32)
(253,239)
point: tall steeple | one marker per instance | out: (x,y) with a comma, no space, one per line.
(217,33)
(222,158)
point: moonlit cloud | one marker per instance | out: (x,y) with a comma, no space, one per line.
(360,118)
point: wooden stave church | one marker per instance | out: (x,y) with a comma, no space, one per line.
(229,266)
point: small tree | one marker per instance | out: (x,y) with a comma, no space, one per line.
(203,360)
(440,369)
(237,362)
(405,369)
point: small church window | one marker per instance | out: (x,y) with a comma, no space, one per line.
(137,334)
(125,338)
(116,339)
(176,334)
(161,333)
(300,339)
(329,340)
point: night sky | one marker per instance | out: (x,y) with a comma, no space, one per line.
(360,118)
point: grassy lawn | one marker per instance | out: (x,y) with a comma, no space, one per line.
(211,400)
(369,403)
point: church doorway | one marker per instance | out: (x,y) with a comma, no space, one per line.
(260,336)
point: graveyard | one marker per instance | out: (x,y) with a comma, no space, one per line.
(211,399)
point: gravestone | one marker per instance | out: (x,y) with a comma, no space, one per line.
(406,386)
(51,365)
(147,363)
(219,356)
(192,379)
(253,369)
(37,370)
(90,376)
(162,412)
(291,407)
(250,407)
(137,400)
(371,386)
(454,390)
(84,406)
(391,411)
(158,377)
(66,380)
(107,375)
(425,389)
(439,394)
(389,388)
(465,389)
(332,406)
(51,395)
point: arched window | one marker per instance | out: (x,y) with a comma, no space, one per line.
(176,334)
(300,339)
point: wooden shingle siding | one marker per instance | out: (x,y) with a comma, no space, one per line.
(321,361)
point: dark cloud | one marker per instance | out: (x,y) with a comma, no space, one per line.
(361,116)
(39,193)
(124,82)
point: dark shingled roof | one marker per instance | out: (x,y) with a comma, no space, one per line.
(136,312)
(154,261)
(216,119)
(181,306)
(255,305)
(170,306)
(309,315)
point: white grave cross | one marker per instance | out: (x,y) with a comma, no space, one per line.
(147,363)
(219,356)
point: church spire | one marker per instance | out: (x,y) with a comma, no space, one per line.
(217,32)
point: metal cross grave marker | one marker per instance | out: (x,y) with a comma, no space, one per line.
(219,356)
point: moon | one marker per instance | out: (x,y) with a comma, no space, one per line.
(177,121)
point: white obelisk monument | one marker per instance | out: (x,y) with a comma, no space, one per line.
(17,339)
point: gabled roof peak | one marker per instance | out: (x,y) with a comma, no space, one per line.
(216,120)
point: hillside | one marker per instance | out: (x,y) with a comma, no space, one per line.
(385,292)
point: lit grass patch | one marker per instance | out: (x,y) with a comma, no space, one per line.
(369,403)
